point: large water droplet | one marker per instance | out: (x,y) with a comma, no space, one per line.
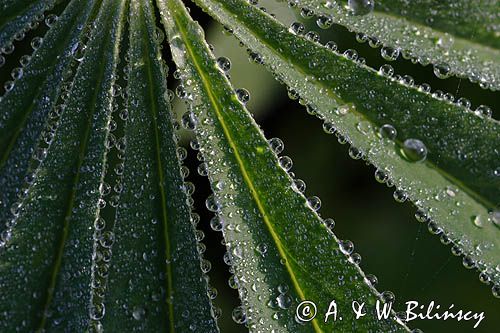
(414,150)
(239,315)
(361,7)
(224,63)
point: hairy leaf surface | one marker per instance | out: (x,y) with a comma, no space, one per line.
(155,281)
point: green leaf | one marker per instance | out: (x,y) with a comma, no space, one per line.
(155,281)
(461,35)
(456,188)
(280,249)
(45,258)
(18,16)
(26,107)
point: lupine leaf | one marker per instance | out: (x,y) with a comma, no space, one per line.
(45,260)
(280,249)
(461,35)
(155,282)
(457,185)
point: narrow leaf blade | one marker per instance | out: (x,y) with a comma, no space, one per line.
(280,250)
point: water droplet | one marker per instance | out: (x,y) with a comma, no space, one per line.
(297,28)
(314,202)
(330,223)
(50,20)
(483,110)
(389,53)
(386,70)
(478,221)
(239,315)
(388,131)
(243,95)
(283,301)
(355,153)
(224,63)
(468,262)
(138,313)
(306,13)
(329,128)
(346,246)
(277,145)
(361,7)
(414,150)
(388,296)
(299,185)
(442,71)
(313,37)
(331,45)
(495,290)
(421,215)
(36,43)
(189,120)
(285,162)
(400,196)
(262,249)
(212,204)
(324,22)
(495,217)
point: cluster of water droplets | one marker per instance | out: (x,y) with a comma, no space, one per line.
(41,149)
(412,149)
(8,49)
(388,53)
(110,190)
(355,16)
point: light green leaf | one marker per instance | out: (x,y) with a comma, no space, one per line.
(26,107)
(45,257)
(461,35)
(155,282)
(281,251)
(456,188)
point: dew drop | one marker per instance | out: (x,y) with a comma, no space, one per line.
(361,7)
(478,221)
(50,20)
(400,196)
(324,22)
(138,313)
(314,202)
(388,131)
(277,145)
(297,28)
(239,315)
(285,162)
(330,223)
(36,43)
(389,53)
(346,246)
(224,63)
(386,70)
(243,95)
(442,71)
(414,150)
